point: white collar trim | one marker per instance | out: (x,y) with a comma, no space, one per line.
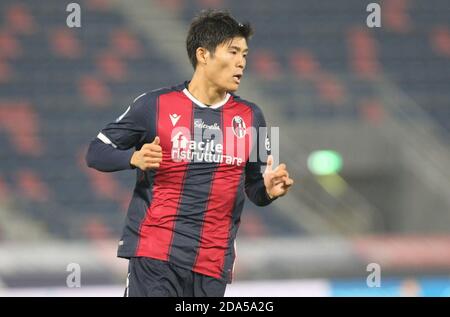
(201,104)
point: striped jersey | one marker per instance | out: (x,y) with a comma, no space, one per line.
(188,210)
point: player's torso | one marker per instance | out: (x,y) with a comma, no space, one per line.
(204,149)
(197,193)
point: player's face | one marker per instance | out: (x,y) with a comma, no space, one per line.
(226,67)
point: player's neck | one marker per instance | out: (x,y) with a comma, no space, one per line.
(204,91)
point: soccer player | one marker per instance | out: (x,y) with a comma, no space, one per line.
(196,149)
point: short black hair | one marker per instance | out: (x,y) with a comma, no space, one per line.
(211,28)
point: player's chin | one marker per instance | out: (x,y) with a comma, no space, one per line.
(233,87)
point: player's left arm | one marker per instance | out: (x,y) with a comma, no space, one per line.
(276,181)
(261,188)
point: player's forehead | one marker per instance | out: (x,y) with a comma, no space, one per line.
(239,43)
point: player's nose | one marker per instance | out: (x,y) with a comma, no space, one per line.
(241,63)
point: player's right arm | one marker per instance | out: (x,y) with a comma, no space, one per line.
(148,157)
(126,143)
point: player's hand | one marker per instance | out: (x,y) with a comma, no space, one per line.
(276,180)
(148,157)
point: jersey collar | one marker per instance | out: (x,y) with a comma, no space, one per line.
(201,104)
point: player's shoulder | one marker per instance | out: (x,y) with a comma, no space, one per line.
(253,106)
(149,95)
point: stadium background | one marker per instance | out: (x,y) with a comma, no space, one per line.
(364,117)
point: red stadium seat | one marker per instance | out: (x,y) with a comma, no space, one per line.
(31,186)
(363,53)
(126,44)
(304,64)
(395,16)
(371,111)
(20,20)
(440,40)
(95,229)
(64,43)
(94,91)
(9,46)
(26,139)
(264,63)
(111,66)
(330,89)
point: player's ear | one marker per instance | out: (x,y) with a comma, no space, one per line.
(202,55)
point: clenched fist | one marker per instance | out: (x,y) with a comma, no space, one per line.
(148,157)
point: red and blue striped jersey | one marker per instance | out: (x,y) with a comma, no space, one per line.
(188,210)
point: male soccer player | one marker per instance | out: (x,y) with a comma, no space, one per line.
(196,150)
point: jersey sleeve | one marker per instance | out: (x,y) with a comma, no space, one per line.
(131,128)
(115,144)
(254,181)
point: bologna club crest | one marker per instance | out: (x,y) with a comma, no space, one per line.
(239,127)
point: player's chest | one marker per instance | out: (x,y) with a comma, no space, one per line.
(202,135)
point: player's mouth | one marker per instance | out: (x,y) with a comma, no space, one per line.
(237,78)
